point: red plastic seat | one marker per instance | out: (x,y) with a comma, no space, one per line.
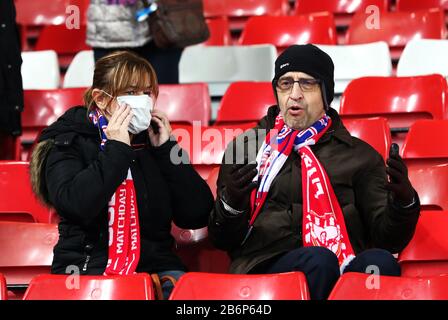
(3,290)
(284,31)
(398,28)
(206,145)
(66,42)
(239,10)
(374,131)
(206,286)
(425,152)
(27,250)
(17,201)
(185,103)
(42,108)
(402,100)
(245,101)
(413,5)
(361,286)
(42,12)
(219,32)
(71,287)
(427,139)
(427,253)
(342,10)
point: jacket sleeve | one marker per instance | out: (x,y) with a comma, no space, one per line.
(191,197)
(80,192)
(390,226)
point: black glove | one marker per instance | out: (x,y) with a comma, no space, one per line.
(238,185)
(399,184)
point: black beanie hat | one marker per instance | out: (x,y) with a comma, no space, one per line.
(310,60)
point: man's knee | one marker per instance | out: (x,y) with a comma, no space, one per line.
(375,261)
(323,259)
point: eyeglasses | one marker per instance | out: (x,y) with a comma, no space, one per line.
(306,85)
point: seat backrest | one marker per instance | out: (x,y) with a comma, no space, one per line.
(424,56)
(236,63)
(74,287)
(427,139)
(337,6)
(3,290)
(288,30)
(17,201)
(185,103)
(206,145)
(219,32)
(40,70)
(43,107)
(245,101)
(397,28)
(42,12)
(244,8)
(358,60)
(361,286)
(402,100)
(412,5)
(80,70)
(374,131)
(27,250)
(430,179)
(54,37)
(209,286)
(428,247)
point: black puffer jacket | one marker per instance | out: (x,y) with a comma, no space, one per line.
(358,176)
(78,180)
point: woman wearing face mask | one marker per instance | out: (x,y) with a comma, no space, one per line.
(109,175)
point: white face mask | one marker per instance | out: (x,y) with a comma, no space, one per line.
(141,107)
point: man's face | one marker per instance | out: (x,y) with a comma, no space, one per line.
(300,105)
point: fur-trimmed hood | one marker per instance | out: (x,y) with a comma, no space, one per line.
(74,122)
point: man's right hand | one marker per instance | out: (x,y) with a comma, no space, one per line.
(117,128)
(238,185)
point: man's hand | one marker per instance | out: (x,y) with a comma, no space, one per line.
(238,185)
(399,183)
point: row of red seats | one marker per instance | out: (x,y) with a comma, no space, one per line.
(402,100)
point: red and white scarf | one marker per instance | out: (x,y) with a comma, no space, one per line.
(323,221)
(124,228)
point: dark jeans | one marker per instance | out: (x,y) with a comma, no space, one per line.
(164,61)
(321,266)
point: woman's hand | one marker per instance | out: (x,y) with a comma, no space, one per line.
(160,130)
(117,129)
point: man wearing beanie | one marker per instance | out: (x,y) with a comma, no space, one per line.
(312,198)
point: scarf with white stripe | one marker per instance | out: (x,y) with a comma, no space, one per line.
(124,229)
(323,222)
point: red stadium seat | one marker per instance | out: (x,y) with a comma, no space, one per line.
(17,201)
(75,287)
(425,152)
(318,28)
(43,107)
(3,290)
(397,28)
(27,250)
(66,42)
(239,10)
(185,103)
(206,145)
(219,32)
(427,139)
(206,286)
(361,286)
(374,131)
(427,253)
(342,10)
(42,12)
(245,101)
(402,100)
(413,5)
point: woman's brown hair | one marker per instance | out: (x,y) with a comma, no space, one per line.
(118,71)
